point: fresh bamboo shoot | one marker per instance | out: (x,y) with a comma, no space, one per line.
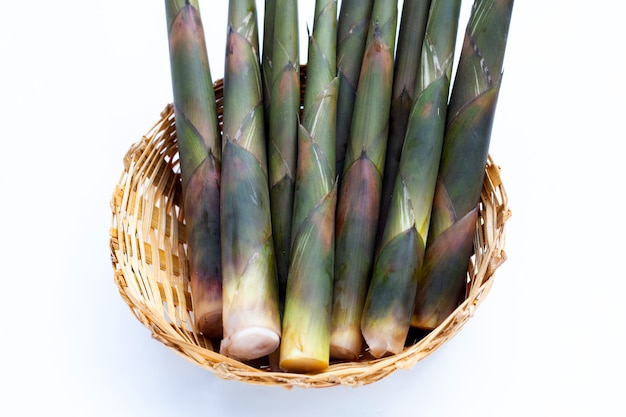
(250,290)
(358,202)
(305,343)
(284,116)
(199,148)
(408,54)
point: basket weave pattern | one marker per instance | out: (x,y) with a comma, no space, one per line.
(148,255)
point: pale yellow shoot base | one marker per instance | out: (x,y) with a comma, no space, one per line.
(302,364)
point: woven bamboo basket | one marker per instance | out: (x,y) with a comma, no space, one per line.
(148,255)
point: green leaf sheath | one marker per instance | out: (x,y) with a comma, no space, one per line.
(283,130)
(471,110)
(352,26)
(305,345)
(390,301)
(266,55)
(199,147)
(358,202)
(408,54)
(251,313)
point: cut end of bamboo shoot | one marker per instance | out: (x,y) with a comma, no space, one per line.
(346,343)
(250,343)
(298,362)
(210,323)
(387,341)
(379,349)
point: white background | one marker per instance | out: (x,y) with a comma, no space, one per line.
(81,82)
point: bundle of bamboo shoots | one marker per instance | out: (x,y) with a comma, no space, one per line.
(327,219)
